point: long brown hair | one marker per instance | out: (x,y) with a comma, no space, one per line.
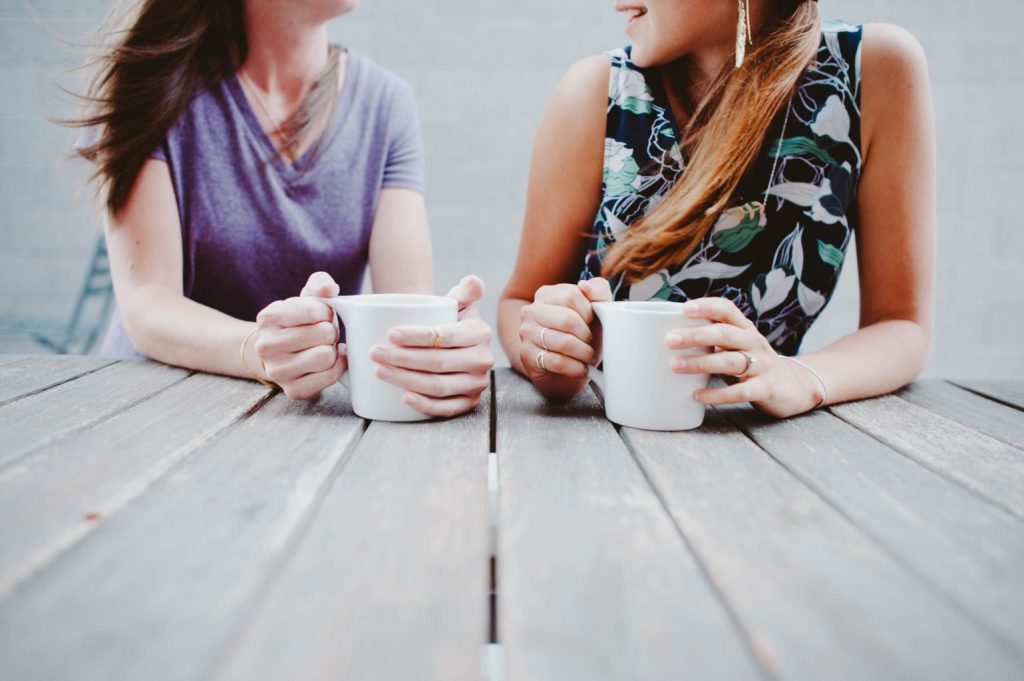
(726,131)
(170,51)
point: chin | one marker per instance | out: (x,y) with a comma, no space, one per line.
(336,8)
(645,56)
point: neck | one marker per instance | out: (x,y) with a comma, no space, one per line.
(705,62)
(287,49)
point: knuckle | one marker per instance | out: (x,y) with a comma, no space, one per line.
(295,392)
(327,331)
(276,374)
(263,345)
(324,356)
(439,362)
(486,334)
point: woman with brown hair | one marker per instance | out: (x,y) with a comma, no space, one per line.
(239,154)
(725,160)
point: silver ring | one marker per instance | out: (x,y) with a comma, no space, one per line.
(751,362)
(540,361)
(544,330)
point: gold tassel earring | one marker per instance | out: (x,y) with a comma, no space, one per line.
(743,32)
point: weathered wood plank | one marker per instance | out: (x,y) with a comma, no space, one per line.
(33,374)
(821,600)
(391,579)
(990,467)
(53,498)
(42,418)
(157,591)
(1008,392)
(594,582)
(972,410)
(968,548)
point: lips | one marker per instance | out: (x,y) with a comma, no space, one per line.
(631,11)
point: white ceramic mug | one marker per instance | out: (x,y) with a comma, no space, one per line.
(640,389)
(367,320)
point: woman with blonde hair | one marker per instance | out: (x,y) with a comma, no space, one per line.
(244,160)
(726,159)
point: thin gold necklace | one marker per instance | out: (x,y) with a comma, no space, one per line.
(254,91)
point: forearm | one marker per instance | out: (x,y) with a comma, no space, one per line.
(167,327)
(875,360)
(551,385)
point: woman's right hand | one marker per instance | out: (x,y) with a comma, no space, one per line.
(557,332)
(297,341)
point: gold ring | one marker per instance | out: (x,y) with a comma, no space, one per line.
(438,337)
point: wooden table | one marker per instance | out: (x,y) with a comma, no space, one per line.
(160,524)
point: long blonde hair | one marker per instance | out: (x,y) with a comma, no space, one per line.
(722,139)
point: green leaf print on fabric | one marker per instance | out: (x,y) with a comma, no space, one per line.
(737,227)
(620,169)
(800,145)
(777,262)
(632,93)
(654,287)
(830,254)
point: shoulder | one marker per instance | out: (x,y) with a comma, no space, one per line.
(375,84)
(586,80)
(894,79)
(891,53)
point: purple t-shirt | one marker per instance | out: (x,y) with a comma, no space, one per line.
(253,226)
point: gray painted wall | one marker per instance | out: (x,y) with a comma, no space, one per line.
(483,72)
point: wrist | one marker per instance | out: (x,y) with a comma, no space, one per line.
(812,382)
(252,364)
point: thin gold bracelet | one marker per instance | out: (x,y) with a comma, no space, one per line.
(824,388)
(245,365)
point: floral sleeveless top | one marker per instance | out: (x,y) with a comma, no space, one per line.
(778,250)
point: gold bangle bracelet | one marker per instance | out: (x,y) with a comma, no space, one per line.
(245,365)
(824,388)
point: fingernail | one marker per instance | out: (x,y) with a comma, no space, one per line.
(397,337)
(678,363)
(692,309)
(675,340)
(698,396)
(377,354)
(410,399)
(384,373)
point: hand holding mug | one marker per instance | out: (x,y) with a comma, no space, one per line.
(443,369)
(297,341)
(767,380)
(557,333)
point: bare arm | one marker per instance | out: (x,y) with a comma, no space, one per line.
(896,243)
(144,241)
(440,381)
(896,234)
(400,255)
(562,199)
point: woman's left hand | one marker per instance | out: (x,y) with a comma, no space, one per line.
(768,381)
(446,380)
